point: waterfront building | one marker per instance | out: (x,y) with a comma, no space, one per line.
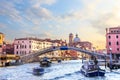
(8,48)
(1,41)
(57,43)
(23,46)
(76,42)
(113,41)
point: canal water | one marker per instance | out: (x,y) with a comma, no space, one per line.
(67,70)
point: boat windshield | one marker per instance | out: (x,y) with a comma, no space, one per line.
(91,65)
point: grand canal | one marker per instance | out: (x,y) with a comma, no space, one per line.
(67,70)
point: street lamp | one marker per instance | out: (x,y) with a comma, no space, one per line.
(4,49)
(110,58)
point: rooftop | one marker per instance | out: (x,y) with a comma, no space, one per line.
(1,33)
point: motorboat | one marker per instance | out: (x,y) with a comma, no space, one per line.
(59,61)
(89,69)
(38,71)
(45,62)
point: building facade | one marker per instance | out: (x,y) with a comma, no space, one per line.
(23,46)
(1,41)
(76,42)
(113,41)
(57,43)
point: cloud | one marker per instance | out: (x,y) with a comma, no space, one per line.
(8,9)
(69,17)
(3,25)
(39,35)
(29,13)
(38,3)
(38,13)
(102,14)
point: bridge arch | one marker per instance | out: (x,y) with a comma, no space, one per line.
(31,57)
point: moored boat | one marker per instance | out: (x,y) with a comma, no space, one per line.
(89,69)
(45,62)
(38,71)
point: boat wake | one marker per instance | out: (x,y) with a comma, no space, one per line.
(66,75)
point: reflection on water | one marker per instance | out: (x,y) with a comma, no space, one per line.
(67,70)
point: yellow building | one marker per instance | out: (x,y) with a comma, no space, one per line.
(1,38)
(1,41)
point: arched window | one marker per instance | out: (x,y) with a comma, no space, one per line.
(109,37)
(117,43)
(109,43)
(117,49)
(25,46)
(116,36)
(17,47)
(30,46)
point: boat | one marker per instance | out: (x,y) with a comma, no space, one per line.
(38,71)
(59,60)
(89,69)
(45,62)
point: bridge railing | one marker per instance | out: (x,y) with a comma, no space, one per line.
(43,51)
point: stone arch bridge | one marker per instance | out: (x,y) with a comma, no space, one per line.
(31,57)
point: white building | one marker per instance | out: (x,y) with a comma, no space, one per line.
(23,46)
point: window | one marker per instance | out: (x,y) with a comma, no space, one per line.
(25,46)
(116,36)
(0,37)
(109,37)
(17,52)
(17,47)
(109,43)
(117,43)
(22,41)
(117,49)
(29,46)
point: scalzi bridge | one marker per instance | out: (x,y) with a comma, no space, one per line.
(32,57)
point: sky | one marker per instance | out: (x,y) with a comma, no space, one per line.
(55,19)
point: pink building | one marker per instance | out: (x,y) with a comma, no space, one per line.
(23,46)
(113,41)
